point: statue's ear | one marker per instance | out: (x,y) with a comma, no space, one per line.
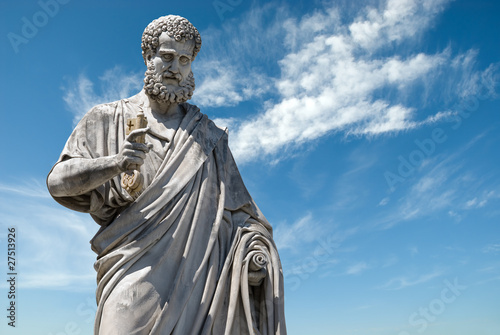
(148,56)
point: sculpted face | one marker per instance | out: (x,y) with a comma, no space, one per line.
(169,77)
(173,60)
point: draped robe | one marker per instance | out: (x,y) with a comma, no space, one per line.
(176,259)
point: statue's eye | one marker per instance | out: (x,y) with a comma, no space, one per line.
(184,60)
(168,57)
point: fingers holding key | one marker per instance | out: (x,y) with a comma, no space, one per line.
(135,135)
(132,154)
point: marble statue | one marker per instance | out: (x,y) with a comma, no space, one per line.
(182,247)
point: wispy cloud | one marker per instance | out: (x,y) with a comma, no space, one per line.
(492,248)
(384,202)
(486,281)
(443,184)
(491,268)
(363,307)
(80,94)
(426,195)
(53,247)
(392,260)
(232,66)
(304,230)
(314,246)
(32,188)
(413,250)
(401,282)
(481,200)
(357,268)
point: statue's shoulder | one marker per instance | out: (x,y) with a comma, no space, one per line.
(196,110)
(106,112)
(190,108)
(108,108)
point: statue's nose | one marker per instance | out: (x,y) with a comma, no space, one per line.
(174,66)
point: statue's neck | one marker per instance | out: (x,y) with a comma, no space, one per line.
(159,110)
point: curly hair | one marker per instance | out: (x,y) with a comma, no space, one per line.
(176,27)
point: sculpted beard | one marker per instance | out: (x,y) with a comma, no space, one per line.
(155,88)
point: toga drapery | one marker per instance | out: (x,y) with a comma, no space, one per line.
(176,259)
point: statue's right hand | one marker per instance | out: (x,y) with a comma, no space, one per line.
(132,154)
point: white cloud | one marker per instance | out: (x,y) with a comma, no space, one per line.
(80,95)
(231,63)
(315,75)
(398,20)
(218,85)
(331,78)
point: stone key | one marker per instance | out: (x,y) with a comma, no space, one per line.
(132,181)
(137,123)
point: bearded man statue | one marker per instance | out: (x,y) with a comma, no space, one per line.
(190,253)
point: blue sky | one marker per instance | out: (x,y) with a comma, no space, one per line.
(366,131)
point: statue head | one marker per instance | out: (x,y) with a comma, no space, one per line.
(169,45)
(174,26)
